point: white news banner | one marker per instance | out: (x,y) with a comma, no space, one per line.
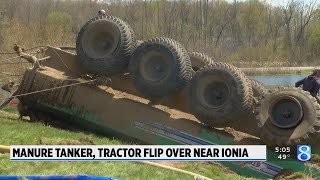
(139,153)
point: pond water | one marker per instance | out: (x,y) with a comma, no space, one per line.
(279,80)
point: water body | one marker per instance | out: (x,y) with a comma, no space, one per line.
(279,80)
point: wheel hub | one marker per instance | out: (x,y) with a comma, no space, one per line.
(286,112)
(216,94)
(100,39)
(155,66)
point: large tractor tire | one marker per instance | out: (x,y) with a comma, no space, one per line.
(199,60)
(259,90)
(219,94)
(105,44)
(160,67)
(288,116)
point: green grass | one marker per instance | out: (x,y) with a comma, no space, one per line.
(306,72)
(15,132)
(275,72)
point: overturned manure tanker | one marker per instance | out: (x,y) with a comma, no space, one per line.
(157,92)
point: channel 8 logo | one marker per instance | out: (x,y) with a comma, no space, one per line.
(304,152)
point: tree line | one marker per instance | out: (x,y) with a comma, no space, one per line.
(245,33)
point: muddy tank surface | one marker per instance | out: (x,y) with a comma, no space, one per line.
(108,99)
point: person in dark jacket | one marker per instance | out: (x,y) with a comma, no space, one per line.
(311,83)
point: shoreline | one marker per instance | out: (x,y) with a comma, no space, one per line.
(276,71)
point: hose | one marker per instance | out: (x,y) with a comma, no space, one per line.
(36,47)
(45,90)
(4,149)
(197,176)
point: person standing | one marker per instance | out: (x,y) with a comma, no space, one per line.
(311,83)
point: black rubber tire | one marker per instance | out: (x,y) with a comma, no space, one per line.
(199,60)
(259,90)
(134,41)
(95,35)
(305,131)
(235,89)
(173,67)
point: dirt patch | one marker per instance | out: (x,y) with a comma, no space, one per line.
(119,94)
(175,114)
(241,137)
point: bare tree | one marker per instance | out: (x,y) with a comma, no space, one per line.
(288,11)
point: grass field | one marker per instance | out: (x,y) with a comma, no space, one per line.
(18,132)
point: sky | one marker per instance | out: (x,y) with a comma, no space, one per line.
(282,2)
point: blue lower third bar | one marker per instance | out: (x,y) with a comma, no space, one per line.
(138,159)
